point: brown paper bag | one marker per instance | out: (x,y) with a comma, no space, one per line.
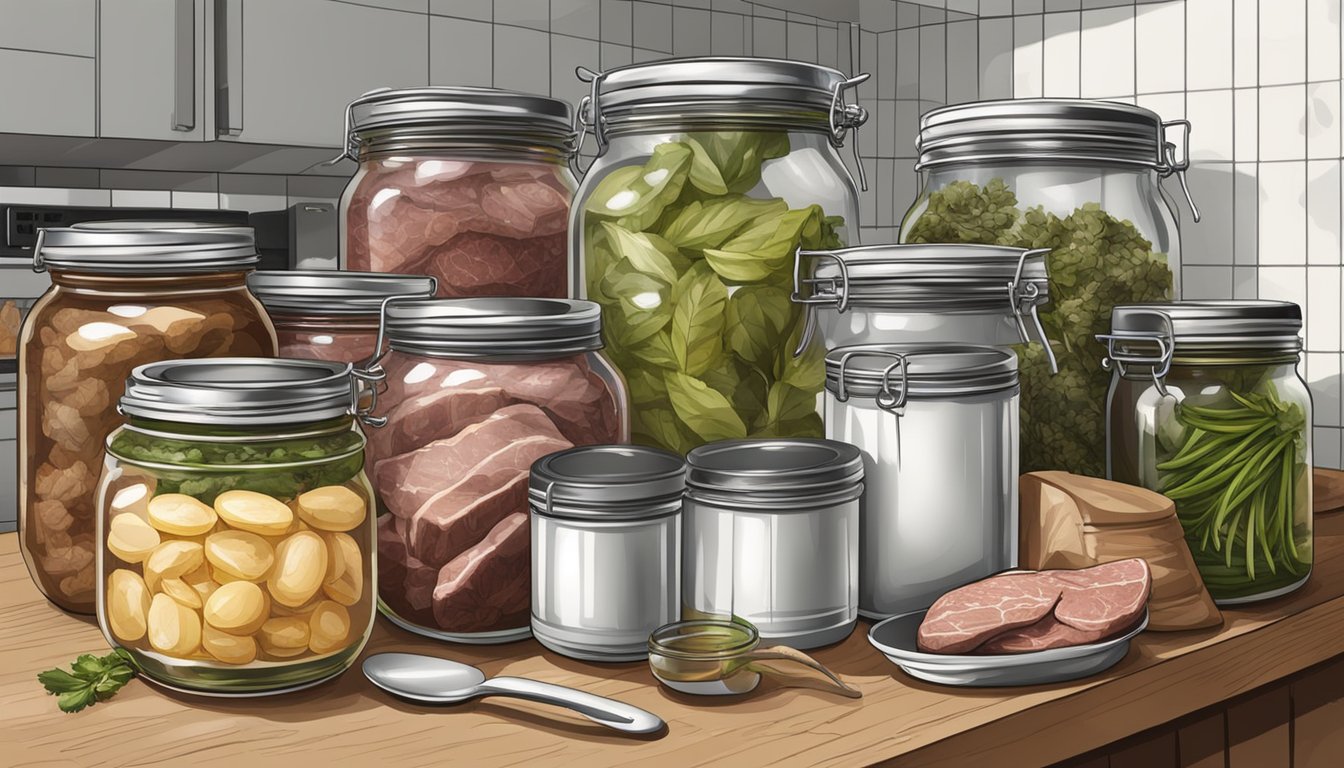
(1072,521)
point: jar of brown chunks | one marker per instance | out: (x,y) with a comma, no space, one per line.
(468,185)
(122,294)
(473,392)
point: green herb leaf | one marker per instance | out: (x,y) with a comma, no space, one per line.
(646,387)
(706,411)
(649,254)
(808,370)
(660,426)
(697,320)
(93,679)
(758,321)
(790,411)
(613,184)
(709,224)
(643,301)
(657,350)
(88,667)
(705,174)
(744,386)
(765,248)
(74,701)
(60,681)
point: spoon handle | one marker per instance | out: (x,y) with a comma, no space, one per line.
(599,709)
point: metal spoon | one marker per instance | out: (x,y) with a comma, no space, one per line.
(433,680)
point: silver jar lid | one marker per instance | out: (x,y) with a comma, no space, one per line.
(928,279)
(145,248)
(457,115)
(608,482)
(798,468)
(893,374)
(333,292)
(241,391)
(492,327)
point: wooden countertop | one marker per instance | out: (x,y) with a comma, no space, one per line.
(900,720)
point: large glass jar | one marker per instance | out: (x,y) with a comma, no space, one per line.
(1081,178)
(121,295)
(235,534)
(473,392)
(938,429)
(1206,407)
(468,185)
(327,314)
(710,174)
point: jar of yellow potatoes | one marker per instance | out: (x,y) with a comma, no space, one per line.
(235,541)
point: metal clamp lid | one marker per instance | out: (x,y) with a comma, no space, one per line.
(1119,352)
(885,398)
(926,371)
(608,482)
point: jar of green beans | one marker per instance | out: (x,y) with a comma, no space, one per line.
(1206,406)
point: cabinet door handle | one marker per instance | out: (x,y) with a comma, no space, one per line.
(184,65)
(228,67)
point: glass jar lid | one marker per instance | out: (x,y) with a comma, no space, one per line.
(608,482)
(145,248)
(893,374)
(241,391)
(458,116)
(332,292)
(492,327)
(1153,336)
(799,468)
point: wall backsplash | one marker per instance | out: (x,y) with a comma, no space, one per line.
(1266,143)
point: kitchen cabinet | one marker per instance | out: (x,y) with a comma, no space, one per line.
(287,70)
(47,67)
(151,69)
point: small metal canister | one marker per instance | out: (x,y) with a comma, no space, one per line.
(772,530)
(606,549)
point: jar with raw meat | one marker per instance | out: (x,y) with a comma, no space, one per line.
(235,529)
(330,315)
(474,391)
(122,294)
(711,173)
(468,185)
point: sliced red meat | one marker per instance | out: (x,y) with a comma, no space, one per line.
(964,618)
(482,264)
(523,208)
(435,415)
(1047,633)
(488,587)
(1105,598)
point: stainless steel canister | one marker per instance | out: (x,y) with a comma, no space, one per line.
(772,536)
(606,549)
(938,428)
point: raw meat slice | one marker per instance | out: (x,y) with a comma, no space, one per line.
(482,264)
(1047,633)
(404,583)
(966,617)
(406,480)
(1104,598)
(434,416)
(488,587)
(522,208)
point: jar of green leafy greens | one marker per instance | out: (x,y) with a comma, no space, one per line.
(1206,406)
(710,174)
(1081,178)
(235,539)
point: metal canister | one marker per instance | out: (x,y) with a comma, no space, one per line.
(606,549)
(772,534)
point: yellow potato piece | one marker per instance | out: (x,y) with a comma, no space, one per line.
(181,592)
(300,564)
(340,547)
(127,605)
(254,512)
(328,627)
(331,508)
(133,499)
(200,581)
(230,649)
(284,637)
(181,515)
(240,554)
(131,538)
(173,629)
(172,559)
(348,587)
(238,608)
(302,611)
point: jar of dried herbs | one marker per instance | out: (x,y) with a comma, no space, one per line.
(1081,178)
(711,173)
(1206,406)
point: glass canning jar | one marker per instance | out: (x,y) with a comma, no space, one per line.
(468,185)
(1082,178)
(122,294)
(327,314)
(472,392)
(710,173)
(1206,407)
(235,533)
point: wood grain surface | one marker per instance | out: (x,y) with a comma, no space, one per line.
(899,721)
(1327,491)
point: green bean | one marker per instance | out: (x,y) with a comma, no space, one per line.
(1187,457)
(1286,501)
(1249,404)
(1235,491)
(1240,427)
(1248,443)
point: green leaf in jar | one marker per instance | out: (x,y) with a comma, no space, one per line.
(738,154)
(808,370)
(697,320)
(744,386)
(710,223)
(645,386)
(705,174)
(790,412)
(646,252)
(636,197)
(660,426)
(705,410)
(657,350)
(765,248)
(642,301)
(758,321)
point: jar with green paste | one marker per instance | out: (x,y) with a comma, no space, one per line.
(710,174)
(1083,179)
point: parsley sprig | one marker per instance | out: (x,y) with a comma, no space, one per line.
(92,679)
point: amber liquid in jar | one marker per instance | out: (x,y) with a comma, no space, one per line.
(81,341)
(337,339)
